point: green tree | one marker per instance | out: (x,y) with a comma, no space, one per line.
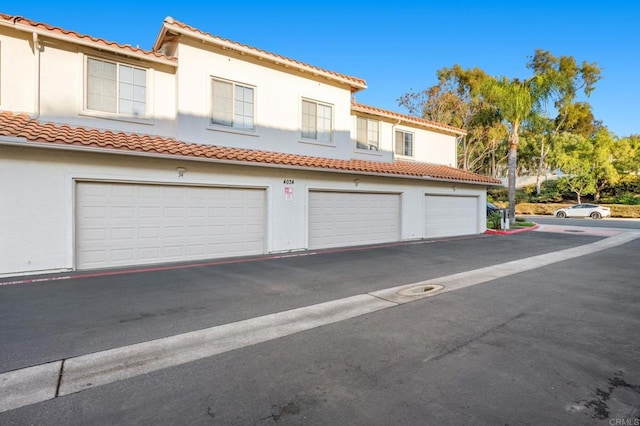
(577,118)
(579,184)
(570,79)
(626,155)
(454,101)
(516,101)
(573,154)
(604,171)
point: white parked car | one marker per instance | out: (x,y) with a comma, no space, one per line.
(593,211)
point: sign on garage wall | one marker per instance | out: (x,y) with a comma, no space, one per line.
(288,189)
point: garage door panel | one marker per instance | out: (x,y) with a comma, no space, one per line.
(341,219)
(172,252)
(130,224)
(447,216)
(149,253)
(123,234)
(147,212)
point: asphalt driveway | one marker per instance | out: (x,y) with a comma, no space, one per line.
(555,344)
(58,319)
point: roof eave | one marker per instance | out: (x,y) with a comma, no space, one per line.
(355,84)
(25,143)
(160,38)
(89,43)
(407,120)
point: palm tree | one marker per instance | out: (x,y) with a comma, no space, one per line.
(517,101)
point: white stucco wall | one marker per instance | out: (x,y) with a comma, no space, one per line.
(62,85)
(277,95)
(37,209)
(16,71)
(429,146)
(434,147)
(179,102)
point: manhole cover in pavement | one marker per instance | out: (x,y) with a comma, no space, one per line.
(420,290)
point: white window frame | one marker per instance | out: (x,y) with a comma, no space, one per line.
(233,123)
(367,141)
(404,143)
(117,113)
(317,132)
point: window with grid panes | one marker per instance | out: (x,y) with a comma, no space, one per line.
(317,121)
(404,143)
(367,134)
(116,88)
(233,105)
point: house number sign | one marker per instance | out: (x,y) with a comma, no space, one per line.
(288,189)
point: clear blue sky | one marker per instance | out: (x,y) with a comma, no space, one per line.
(396,46)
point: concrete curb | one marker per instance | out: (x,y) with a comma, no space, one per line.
(511,231)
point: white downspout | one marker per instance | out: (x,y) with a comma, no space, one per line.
(393,139)
(36,85)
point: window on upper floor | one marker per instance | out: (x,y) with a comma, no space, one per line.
(116,88)
(404,143)
(317,121)
(232,105)
(368,134)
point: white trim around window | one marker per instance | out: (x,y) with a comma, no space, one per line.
(367,134)
(316,121)
(116,90)
(404,143)
(232,105)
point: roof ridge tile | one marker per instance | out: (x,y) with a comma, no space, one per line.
(55,29)
(224,39)
(407,116)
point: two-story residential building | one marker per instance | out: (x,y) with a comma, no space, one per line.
(203,148)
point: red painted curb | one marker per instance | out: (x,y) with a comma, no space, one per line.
(68,276)
(511,231)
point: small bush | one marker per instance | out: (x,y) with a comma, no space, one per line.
(518,225)
(537,208)
(627,199)
(618,210)
(494,221)
(497,194)
(627,185)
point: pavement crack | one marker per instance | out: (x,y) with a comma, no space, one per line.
(476,338)
(59,378)
(382,298)
(211,413)
(277,411)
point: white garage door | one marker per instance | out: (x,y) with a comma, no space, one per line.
(129,224)
(352,218)
(447,216)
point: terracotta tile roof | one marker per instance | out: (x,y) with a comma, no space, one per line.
(18,21)
(357,82)
(408,118)
(22,126)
